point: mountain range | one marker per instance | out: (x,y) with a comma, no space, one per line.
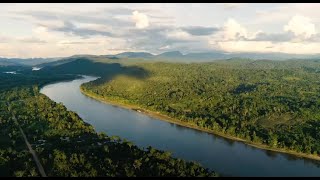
(173,56)
(210,56)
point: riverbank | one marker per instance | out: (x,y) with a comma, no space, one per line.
(193,126)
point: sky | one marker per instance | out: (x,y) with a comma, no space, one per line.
(59,30)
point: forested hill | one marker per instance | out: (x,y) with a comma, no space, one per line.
(25,62)
(101,65)
(106,68)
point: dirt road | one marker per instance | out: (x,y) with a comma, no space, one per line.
(35,157)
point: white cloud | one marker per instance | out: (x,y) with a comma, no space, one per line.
(243,46)
(236,38)
(281,12)
(40,29)
(301,26)
(179,34)
(233,30)
(165,47)
(232,5)
(4,39)
(267,46)
(255,35)
(30,40)
(140,19)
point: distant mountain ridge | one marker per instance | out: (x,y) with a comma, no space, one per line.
(170,56)
(134,55)
(25,62)
(209,56)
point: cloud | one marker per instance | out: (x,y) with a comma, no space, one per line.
(141,20)
(77,42)
(62,47)
(235,38)
(157,39)
(41,15)
(243,46)
(4,39)
(104,16)
(267,46)
(70,28)
(278,14)
(164,47)
(314,38)
(64,28)
(120,10)
(200,31)
(274,37)
(301,26)
(102,28)
(230,6)
(31,40)
(148,39)
(233,30)
(177,34)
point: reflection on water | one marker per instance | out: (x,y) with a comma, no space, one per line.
(271,154)
(229,142)
(227,157)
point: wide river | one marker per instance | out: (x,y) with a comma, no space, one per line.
(230,158)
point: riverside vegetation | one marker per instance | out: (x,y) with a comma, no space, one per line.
(271,104)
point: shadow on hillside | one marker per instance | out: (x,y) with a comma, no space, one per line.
(107,71)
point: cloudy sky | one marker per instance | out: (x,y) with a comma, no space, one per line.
(56,30)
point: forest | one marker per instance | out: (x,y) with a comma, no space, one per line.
(272,103)
(65,144)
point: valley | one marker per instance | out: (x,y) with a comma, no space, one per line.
(242,100)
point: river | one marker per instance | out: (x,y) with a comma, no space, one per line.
(227,157)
